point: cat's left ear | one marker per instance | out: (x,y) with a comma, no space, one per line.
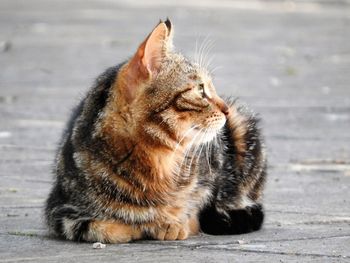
(169,41)
(155,47)
(146,63)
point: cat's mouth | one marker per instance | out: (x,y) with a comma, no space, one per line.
(203,134)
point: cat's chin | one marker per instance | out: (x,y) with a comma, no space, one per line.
(212,132)
(207,135)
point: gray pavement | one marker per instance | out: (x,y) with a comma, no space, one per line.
(289,60)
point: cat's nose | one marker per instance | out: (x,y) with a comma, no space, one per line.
(223,106)
(225,109)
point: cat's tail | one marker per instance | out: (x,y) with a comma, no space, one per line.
(70,222)
(67,221)
(236,206)
(240,221)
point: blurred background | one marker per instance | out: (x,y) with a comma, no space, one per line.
(288,60)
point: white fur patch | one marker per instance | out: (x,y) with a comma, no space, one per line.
(246,201)
(68,225)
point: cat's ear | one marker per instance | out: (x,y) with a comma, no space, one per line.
(155,47)
(146,62)
(169,41)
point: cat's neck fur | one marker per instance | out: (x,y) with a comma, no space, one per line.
(120,130)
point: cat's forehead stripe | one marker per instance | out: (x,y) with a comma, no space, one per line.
(193,77)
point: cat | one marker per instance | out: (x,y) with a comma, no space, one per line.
(152,152)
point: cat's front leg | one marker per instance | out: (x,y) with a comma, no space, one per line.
(172,231)
(177,230)
(110,231)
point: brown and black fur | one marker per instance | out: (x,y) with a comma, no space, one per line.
(126,170)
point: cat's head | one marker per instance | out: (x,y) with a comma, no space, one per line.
(168,98)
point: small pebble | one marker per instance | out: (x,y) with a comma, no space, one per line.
(98,245)
(240,242)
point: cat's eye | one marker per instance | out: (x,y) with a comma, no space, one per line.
(202,90)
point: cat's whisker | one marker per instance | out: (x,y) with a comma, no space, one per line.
(184,136)
(199,54)
(188,167)
(208,60)
(196,57)
(179,167)
(217,140)
(206,146)
(213,70)
(221,137)
(198,48)
(195,151)
(205,133)
(208,45)
(200,152)
(210,144)
(202,50)
(183,162)
(188,150)
(207,157)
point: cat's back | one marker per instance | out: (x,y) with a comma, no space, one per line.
(69,179)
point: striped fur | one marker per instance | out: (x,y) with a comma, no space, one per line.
(157,154)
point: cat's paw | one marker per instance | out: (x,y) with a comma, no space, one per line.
(172,232)
(238,221)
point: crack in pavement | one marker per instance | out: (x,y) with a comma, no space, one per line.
(298,239)
(238,247)
(281,253)
(301,213)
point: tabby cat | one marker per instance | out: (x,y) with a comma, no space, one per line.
(152,152)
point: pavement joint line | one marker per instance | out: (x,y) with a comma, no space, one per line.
(236,247)
(299,239)
(30,234)
(319,222)
(300,138)
(280,252)
(38,181)
(325,222)
(211,244)
(299,167)
(22,207)
(39,123)
(18,177)
(105,252)
(300,213)
(13,146)
(178,243)
(25,159)
(54,257)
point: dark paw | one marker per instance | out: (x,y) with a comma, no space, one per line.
(246,220)
(237,222)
